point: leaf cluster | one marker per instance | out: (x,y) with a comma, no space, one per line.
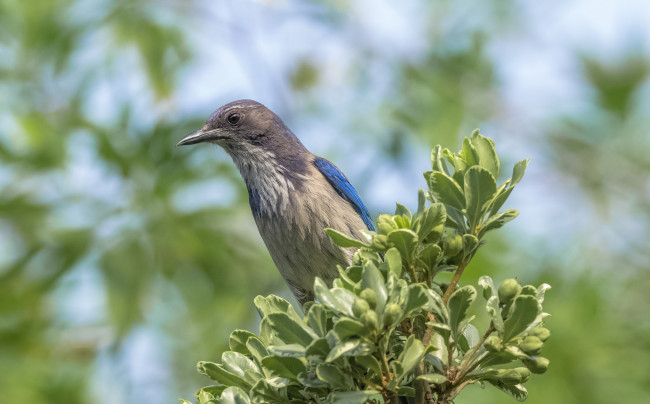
(387,328)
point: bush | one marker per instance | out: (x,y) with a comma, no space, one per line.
(388,327)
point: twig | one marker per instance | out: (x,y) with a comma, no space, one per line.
(454,280)
(463,367)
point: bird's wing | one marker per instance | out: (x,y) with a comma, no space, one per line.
(343,187)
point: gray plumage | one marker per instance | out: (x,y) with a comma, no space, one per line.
(294,195)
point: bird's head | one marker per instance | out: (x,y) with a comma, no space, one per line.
(243,127)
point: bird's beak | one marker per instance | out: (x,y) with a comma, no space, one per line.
(199,136)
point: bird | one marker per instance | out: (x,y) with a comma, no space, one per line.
(293,194)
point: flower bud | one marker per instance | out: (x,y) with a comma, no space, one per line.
(369,319)
(369,296)
(380,242)
(492,344)
(359,307)
(531,345)
(536,364)
(508,290)
(509,377)
(524,373)
(452,244)
(385,224)
(392,312)
(540,332)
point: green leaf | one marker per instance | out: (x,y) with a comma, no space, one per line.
(289,330)
(264,392)
(429,256)
(406,242)
(351,397)
(497,221)
(398,374)
(436,306)
(347,327)
(456,220)
(333,376)
(518,391)
(458,304)
(416,299)
(439,343)
(524,311)
(518,171)
(349,348)
(470,333)
(234,395)
(293,350)
(470,244)
(493,309)
(432,217)
(468,153)
(394,260)
(441,328)
(343,240)
(437,162)
(422,200)
(433,378)
(445,190)
(319,348)
(412,354)
(480,187)
(237,341)
(215,390)
(317,319)
(401,210)
(406,391)
(541,291)
(369,362)
(500,197)
(337,299)
(371,278)
(481,374)
(217,373)
(256,349)
(266,332)
(487,155)
(459,163)
(237,363)
(275,304)
(284,366)
(487,284)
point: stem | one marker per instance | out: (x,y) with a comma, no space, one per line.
(421,386)
(457,390)
(371,383)
(412,274)
(428,333)
(454,280)
(463,368)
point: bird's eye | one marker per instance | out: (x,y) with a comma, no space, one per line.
(233,119)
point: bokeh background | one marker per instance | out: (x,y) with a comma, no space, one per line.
(124,260)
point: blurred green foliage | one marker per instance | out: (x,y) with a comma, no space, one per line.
(102,244)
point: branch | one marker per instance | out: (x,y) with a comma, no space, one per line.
(454,280)
(464,366)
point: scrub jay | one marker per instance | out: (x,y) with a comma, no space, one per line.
(293,194)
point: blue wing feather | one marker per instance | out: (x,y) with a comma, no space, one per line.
(344,189)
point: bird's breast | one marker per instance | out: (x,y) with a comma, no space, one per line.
(296,239)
